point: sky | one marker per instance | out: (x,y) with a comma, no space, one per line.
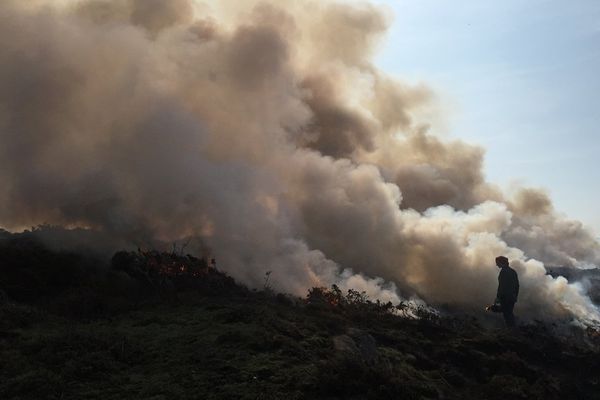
(520,78)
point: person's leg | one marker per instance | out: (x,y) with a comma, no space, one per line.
(507,312)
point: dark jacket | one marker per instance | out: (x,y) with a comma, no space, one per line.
(508,286)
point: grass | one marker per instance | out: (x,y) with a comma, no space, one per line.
(99,339)
(255,347)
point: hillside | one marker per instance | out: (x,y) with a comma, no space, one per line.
(72,327)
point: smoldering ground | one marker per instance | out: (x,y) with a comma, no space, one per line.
(264,130)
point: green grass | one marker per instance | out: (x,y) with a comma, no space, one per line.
(256,347)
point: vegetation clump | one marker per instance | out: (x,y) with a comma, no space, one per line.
(171,272)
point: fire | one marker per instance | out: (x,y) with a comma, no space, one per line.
(154,266)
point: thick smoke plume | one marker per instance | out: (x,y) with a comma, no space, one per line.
(263,130)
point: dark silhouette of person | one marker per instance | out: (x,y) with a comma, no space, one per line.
(508,290)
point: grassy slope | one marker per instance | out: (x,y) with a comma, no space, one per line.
(79,334)
(258,347)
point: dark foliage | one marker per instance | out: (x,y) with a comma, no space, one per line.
(164,272)
(30,272)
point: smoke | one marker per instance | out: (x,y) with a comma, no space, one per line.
(264,131)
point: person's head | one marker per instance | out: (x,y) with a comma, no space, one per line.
(501,261)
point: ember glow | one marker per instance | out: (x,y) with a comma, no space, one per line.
(159,268)
(263,130)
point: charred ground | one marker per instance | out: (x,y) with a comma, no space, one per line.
(167,325)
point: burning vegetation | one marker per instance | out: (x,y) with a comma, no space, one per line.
(355,301)
(167,273)
(163,269)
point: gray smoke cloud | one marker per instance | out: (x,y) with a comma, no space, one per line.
(263,129)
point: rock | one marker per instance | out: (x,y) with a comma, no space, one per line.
(356,345)
(410,358)
(454,378)
(345,344)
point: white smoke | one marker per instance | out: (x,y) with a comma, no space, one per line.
(263,129)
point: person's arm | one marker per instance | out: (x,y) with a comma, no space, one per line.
(501,285)
(516,285)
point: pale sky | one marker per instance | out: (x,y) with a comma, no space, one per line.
(521,78)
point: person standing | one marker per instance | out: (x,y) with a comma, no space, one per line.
(508,291)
